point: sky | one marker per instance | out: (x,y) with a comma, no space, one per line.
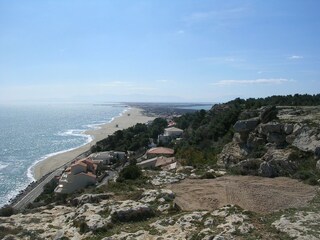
(157,50)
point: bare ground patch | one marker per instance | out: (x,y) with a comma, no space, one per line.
(258,194)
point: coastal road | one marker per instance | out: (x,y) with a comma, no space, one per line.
(37,190)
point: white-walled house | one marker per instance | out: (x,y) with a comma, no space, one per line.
(79,175)
(169,134)
(173,132)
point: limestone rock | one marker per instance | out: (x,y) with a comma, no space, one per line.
(267,114)
(288,128)
(149,196)
(246,125)
(129,210)
(271,127)
(276,138)
(255,141)
(267,170)
(302,225)
(232,154)
(248,166)
(307,140)
(90,198)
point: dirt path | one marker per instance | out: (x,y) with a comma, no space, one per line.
(253,193)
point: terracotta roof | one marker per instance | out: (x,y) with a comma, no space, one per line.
(160,150)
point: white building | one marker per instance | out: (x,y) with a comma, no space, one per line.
(173,132)
(169,134)
(79,175)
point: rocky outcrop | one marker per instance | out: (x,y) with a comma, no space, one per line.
(231,154)
(307,139)
(302,225)
(160,195)
(269,139)
(246,125)
(129,210)
(267,114)
(90,198)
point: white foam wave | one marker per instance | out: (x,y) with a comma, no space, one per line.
(3,166)
(72,132)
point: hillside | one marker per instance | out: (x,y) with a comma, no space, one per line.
(249,169)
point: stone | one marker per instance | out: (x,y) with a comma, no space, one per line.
(246,125)
(266,170)
(271,127)
(290,138)
(254,141)
(267,114)
(90,198)
(307,139)
(302,225)
(247,167)
(129,210)
(276,138)
(232,153)
(288,128)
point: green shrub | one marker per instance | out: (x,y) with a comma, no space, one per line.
(130,172)
(6,211)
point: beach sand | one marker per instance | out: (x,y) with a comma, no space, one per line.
(129,118)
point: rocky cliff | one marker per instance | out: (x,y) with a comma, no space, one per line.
(276,142)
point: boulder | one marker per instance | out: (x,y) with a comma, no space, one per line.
(276,138)
(267,114)
(90,198)
(232,153)
(255,141)
(247,167)
(307,139)
(130,211)
(149,196)
(288,128)
(276,168)
(246,125)
(271,127)
(267,170)
(290,138)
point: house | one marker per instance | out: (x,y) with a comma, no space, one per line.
(157,162)
(160,151)
(169,134)
(107,157)
(173,132)
(80,174)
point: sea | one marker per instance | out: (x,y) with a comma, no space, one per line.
(30,133)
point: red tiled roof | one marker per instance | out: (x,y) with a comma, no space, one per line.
(160,150)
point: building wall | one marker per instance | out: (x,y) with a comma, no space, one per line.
(76,182)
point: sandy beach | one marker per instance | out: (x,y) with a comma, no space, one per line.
(131,117)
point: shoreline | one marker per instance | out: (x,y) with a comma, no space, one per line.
(129,117)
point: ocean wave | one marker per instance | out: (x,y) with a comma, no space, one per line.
(71,132)
(3,166)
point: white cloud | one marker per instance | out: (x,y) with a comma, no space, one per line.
(180,32)
(295,57)
(253,81)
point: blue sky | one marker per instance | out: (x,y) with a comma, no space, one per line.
(183,50)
